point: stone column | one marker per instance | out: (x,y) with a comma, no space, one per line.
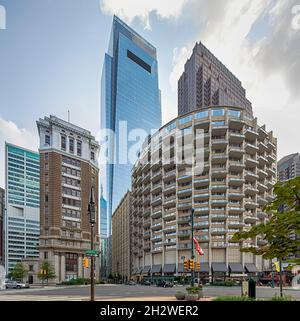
(56,267)
(63,267)
(80,275)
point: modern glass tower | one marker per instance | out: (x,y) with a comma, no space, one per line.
(22,223)
(129,94)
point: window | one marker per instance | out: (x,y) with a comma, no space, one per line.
(92,156)
(63,142)
(71,145)
(47,139)
(218,123)
(46,198)
(201,114)
(46,156)
(218,112)
(234,113)
(138,61)
(30,268)
(79,144)
(45,255)
(185,119)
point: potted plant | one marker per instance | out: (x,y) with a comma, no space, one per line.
(195,291)
(179,295)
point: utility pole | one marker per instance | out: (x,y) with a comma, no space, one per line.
(91,212)
(193,255)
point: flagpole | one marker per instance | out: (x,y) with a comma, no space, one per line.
(193,255)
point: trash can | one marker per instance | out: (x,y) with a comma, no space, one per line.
(252,288)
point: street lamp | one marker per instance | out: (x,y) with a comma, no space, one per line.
(193,254)
(92,215)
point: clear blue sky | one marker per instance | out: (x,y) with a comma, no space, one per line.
(51,56)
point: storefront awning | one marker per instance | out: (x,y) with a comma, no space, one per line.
(169,268)
(180,268)
(146,269)
(251,268)
(236,268)
(204,268)
(156,268)
(219,268)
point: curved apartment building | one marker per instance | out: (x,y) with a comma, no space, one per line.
(227,188)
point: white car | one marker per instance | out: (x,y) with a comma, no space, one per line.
(16,285)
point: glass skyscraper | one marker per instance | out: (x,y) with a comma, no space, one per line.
(129,94)
(22,224)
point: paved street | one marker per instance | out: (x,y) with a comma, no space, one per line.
(126,293)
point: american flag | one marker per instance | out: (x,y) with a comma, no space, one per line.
(198,248)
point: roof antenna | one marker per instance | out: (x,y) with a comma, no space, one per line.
(68,116)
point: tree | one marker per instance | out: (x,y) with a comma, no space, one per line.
(19,272)
(46,271)
(281,228)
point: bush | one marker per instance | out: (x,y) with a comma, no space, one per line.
(100,282)
(276,297)
(225,283)
(194,289)
(233,298)
(79,281)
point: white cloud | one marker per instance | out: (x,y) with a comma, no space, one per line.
(129,9)
(180,57)
(11,133)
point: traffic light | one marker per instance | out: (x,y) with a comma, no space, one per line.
(198,265)
(85,262)
(186,265)
(191,264)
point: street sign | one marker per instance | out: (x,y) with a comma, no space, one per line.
(92,252)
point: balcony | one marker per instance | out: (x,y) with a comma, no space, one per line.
(219,142)
(250,133)
(236,151)
(251,190)
(218,230)
(251,161)
(201,210)
(262,174)
(147,223)
(261,201)
(237,209)
(236,165)
(169,228)
(236,136)
(251,148)
(218,201)
(156,213)
(201,181)
(237,224)
(169,188)
(186,191)
(236,195)
(261,187)
(156,201)
(156,226)
(249,203)
(169,175)
(169,201)
(201,196)
(251,176)
(220,187)
(216,217)
(262,215)
(169,215)
(262,160)
(236,180)
(218,245)
(184,178)
(156,187)
(262,147)
(219,172)
(250,218)
(183,219)
(183,206)
(217,156)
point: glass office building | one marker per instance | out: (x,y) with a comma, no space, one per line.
(22,226)
(129,94)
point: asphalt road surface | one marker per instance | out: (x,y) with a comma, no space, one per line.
(108,291)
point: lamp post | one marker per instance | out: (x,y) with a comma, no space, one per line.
(91,212)
(193,255)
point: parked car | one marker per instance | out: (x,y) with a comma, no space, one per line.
(165,284)
(146,283)
(10,284)
(130,283)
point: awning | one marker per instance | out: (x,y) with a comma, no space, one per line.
(156,268)
(236,268)
(180,268)
(169,268)
(204,268)
(251,268)
(219,268)
(146,269)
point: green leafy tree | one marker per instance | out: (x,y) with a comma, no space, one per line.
(19,272)
(283,224)
(46,271)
